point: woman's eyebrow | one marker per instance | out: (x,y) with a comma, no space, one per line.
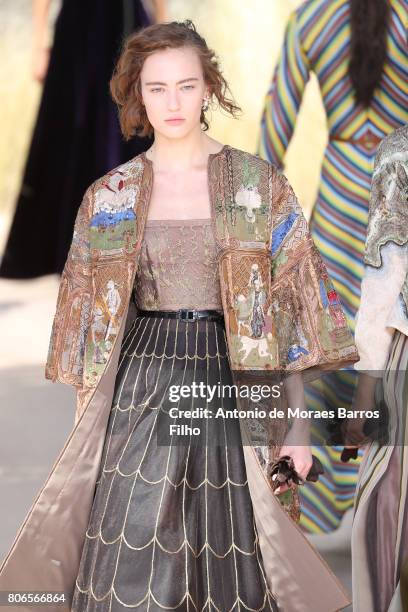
(178,82)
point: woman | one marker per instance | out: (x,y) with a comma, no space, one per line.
(380,529)
(172,513)
(76,136)
(358,51)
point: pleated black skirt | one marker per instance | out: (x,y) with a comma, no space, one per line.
(171,525)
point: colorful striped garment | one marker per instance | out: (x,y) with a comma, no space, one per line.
(318,39)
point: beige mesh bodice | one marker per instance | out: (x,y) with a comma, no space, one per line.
(178,266)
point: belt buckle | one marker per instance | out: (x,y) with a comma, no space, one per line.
(369,140)
(188,315)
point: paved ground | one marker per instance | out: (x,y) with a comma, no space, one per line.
(37,415)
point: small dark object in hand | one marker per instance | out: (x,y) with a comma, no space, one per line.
(283,472)
(349,453)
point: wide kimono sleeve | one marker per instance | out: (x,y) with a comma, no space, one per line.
(284,96)
(311,328)
(383,307)
(73,309)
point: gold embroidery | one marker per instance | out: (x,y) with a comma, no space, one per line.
(178,266)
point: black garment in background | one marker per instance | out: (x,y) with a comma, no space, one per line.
(77,136)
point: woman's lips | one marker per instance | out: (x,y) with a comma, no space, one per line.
(174,121)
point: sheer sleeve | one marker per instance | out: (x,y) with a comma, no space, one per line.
(383,308)
(284,96)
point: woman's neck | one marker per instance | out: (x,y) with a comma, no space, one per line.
(180,155)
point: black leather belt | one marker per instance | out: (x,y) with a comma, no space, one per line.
(184,314)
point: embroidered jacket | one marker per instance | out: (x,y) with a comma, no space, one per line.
(281,310)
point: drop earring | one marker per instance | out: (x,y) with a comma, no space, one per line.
(206,104)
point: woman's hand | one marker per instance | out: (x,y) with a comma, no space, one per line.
(353,432)
(40,48)
(40,61)
(364,400)
(297,441)
(297,446)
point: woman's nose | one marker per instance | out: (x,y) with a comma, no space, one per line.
(173,102)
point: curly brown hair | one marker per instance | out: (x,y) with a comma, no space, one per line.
(125,85)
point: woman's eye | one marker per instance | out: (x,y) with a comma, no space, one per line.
(156,89)
(188,87)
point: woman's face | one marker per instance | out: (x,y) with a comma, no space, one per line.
(173,90)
